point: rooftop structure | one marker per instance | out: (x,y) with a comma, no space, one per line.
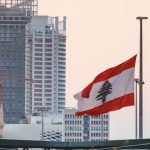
(18,7)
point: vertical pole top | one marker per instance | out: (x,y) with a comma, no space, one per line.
(141,18)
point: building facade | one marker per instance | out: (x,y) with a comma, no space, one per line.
(50,131)
(84,128)
(49,126)
(14,15)
(45,64)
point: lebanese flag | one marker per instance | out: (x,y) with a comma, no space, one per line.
(111,90)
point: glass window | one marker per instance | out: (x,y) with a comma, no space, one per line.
(37,72)
(38,54)
(29,40)
(48,40)
(38,45)
(37,67)
(37,85)
(48,50)
(38,40)
(48,45)
(37,81)
(38,63)
(38,50)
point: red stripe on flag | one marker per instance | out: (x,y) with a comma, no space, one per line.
(108,74)
(115,104)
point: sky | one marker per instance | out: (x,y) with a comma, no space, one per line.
(100,35)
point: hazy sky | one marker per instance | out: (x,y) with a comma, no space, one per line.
(100,35)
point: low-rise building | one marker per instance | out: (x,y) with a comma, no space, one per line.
(47,128)
(84,128)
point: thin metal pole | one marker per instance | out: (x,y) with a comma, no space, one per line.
(42,123)
(141,80)
(102,127)
(136,111)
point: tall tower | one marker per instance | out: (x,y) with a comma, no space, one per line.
(46,64)
(14,15)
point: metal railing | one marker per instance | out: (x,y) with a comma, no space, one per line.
(102,145)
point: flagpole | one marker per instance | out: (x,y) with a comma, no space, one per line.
(102,127)
(136,111)
(141,79)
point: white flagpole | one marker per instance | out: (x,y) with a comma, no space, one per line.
(141,80)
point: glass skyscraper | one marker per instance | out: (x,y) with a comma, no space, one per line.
(14,15)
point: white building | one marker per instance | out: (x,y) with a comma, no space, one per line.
(84,128)
(50,131)
(50,126)
(45,64)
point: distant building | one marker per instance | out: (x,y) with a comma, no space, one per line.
(84,128)
(45,64)
(14,15)
(52,129)
(51,126)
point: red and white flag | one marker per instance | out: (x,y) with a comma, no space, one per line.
(111,90)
